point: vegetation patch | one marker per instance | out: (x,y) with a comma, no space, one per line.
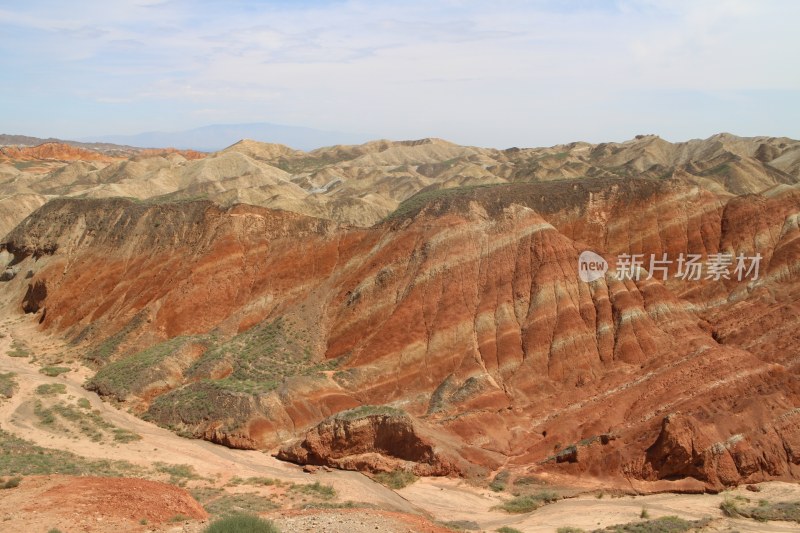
(338,505)
(665,524)
(242,523)
(54,371)
(261,358)
(217,502)
(199,402)
(764,511)
(8,384)
(11,483)
(461,525)
(364,411)
(89,423)
(19,349)
(51,389)
(396,479)
(528,502)
(500,481)
(133,373)
(19,457)
(316,490)
(255,481)
(178,474)
(102,353)
(413,205)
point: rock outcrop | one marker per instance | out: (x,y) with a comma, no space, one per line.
(373,440)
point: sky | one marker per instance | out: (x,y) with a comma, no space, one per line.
(496,74)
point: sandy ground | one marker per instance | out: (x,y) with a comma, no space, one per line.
(401,511)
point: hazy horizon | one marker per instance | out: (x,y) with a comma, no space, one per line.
(510,74)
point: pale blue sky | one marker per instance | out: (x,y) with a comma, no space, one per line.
(503,73)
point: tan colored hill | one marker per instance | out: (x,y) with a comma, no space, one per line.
(362,184)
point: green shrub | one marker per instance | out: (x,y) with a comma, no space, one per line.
(54,371)
(396,479)
(224,504)
(764,511)
(11,483)
(8,385)
(665,524)
(364,411)
(461,525)
(257,481)
(19,349)
(506,529)
(242,523)
(21,457)
(316,489)
(729,508)
(528,502)
(500,481)
(51,389)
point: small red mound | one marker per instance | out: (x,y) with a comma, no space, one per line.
(126,498)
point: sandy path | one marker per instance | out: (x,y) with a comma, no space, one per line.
(448,499)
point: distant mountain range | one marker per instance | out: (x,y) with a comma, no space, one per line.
(216,137)
(25,140)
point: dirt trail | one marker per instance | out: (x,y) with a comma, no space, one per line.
(448,499)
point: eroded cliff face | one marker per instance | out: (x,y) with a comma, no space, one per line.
(253,327)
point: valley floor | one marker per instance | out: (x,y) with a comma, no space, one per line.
(54,430)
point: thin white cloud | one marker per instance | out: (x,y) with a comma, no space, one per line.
(469,70)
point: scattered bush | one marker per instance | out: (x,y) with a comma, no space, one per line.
(764,511)
(461,525)
(19,349)
(8,385)
(317,490)
(363,411)
(54,371)
(51,389)
(506,529)
(729,508)
(257,481)
(528,502)
(500,481)
(21,457)
(224,504)
(242,523)
(396,479)
(11,483)
(665,524)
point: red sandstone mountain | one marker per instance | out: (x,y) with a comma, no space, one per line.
(455,337)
